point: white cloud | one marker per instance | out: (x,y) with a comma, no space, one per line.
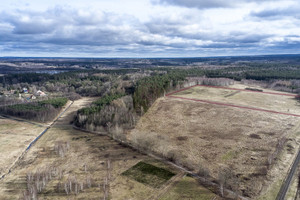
(140,27)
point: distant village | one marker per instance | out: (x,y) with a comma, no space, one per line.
(25,95)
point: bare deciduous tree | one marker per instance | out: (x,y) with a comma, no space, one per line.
(61,148)
(227,179)
(37,181)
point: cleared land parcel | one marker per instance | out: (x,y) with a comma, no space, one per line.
(256,146)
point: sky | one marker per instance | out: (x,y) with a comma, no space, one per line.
(148,28)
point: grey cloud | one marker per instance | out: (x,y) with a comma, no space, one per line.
(246,38)
(167,27)
(60,30)
(27,25)
(68,27)
(204,4)
(30,22)
(199,3)
(278,13)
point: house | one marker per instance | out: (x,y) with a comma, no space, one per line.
(40,93)
(25,90)
(32,97)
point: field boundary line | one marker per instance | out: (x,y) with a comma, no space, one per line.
(228,88)
(167,186)
(180,90)
(235,106)
(245,90)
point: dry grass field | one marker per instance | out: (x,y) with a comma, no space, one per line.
(213,138)
(82,164)
(15,136)
(286,104)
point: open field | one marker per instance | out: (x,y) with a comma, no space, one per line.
(214,138)
(15,136)
(82,164)
(276,101)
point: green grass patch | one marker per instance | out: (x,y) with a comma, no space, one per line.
(149,174)
(229,155)
(185,92)
(188,188)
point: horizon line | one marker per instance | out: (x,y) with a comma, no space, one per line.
(171,57)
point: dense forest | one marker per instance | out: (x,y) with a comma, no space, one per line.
(41,111)
(148,89)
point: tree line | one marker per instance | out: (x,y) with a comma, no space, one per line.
(41,111)
(148,89)
(99,104)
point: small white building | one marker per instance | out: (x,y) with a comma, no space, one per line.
(40,93)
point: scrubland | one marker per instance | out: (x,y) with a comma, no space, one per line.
(71,164)
(256,147)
